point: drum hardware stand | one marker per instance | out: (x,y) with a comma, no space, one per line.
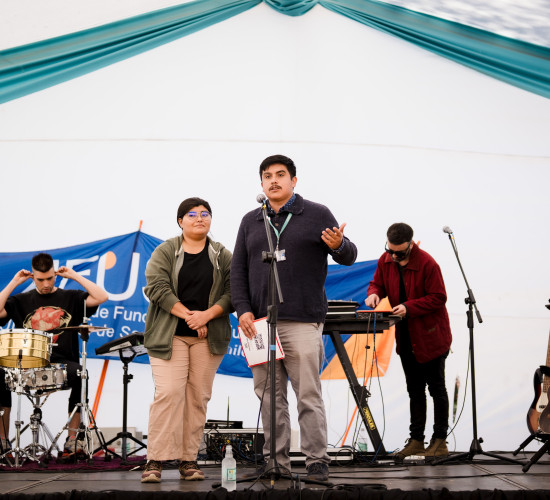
(17,452)
(36,424)
(125,435)
(87,421)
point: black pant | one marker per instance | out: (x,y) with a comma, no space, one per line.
(74,381)
(418,376)
(5,394)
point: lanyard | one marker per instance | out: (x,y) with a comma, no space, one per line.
(277,233)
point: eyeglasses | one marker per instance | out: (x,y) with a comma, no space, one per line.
(195,215)
(399,254)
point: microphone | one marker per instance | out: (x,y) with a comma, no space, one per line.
(447,229)
(261,198)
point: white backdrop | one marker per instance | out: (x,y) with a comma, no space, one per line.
(380,131)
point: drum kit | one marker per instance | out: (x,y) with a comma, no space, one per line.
(25,358)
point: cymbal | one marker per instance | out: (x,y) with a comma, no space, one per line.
(90,328)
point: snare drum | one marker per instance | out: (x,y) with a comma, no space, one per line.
(49,378)
(34,346)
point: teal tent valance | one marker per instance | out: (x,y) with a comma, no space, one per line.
(292,7)
(515,62)
(36,66)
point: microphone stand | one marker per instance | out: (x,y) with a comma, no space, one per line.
(475,446)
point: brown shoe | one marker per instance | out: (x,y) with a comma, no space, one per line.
(436,449)
(152,472)
(413,447)
(190,471)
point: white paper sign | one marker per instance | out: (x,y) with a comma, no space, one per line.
(256,350)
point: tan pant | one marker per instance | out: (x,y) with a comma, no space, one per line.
(183,386)
(303,347)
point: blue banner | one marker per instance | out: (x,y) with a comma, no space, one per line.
(118,265)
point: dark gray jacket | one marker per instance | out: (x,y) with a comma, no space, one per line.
(302,274)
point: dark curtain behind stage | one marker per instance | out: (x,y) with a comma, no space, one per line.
(342,493)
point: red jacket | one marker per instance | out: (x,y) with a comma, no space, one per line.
(427,316)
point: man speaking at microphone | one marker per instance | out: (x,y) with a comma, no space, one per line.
(412,281)
(304,234)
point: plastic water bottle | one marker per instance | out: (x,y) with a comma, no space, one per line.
(229,470)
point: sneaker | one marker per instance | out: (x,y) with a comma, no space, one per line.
(152,472)
(317,471)
(73,449)
(413,447)
(190,471)
(436,449)
(5,449)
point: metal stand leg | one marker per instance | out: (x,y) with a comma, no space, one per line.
(124,435)
(535,458)
(34,451)
(63,429)
(539,436)
(87,426)
(19,454)
(87,421)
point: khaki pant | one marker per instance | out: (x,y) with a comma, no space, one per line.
(303,347)
(183,386)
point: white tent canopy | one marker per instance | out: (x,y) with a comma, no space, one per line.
(381,131)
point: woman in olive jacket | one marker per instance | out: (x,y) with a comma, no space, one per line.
(187,332)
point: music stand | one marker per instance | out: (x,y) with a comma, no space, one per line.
(126,355)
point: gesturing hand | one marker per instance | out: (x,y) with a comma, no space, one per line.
(333,237)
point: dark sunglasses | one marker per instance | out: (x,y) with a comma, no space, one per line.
(399,254)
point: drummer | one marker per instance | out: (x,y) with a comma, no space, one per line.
(46,308)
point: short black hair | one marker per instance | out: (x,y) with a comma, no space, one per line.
(42,262)
(189,203)
(275,159)
(399,233)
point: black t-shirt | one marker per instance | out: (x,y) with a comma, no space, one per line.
(195,281)
(44,312)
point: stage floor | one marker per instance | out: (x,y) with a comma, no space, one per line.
(483,473)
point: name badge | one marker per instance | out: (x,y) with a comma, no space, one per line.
(280,255)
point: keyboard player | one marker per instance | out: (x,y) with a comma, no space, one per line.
(412,280)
